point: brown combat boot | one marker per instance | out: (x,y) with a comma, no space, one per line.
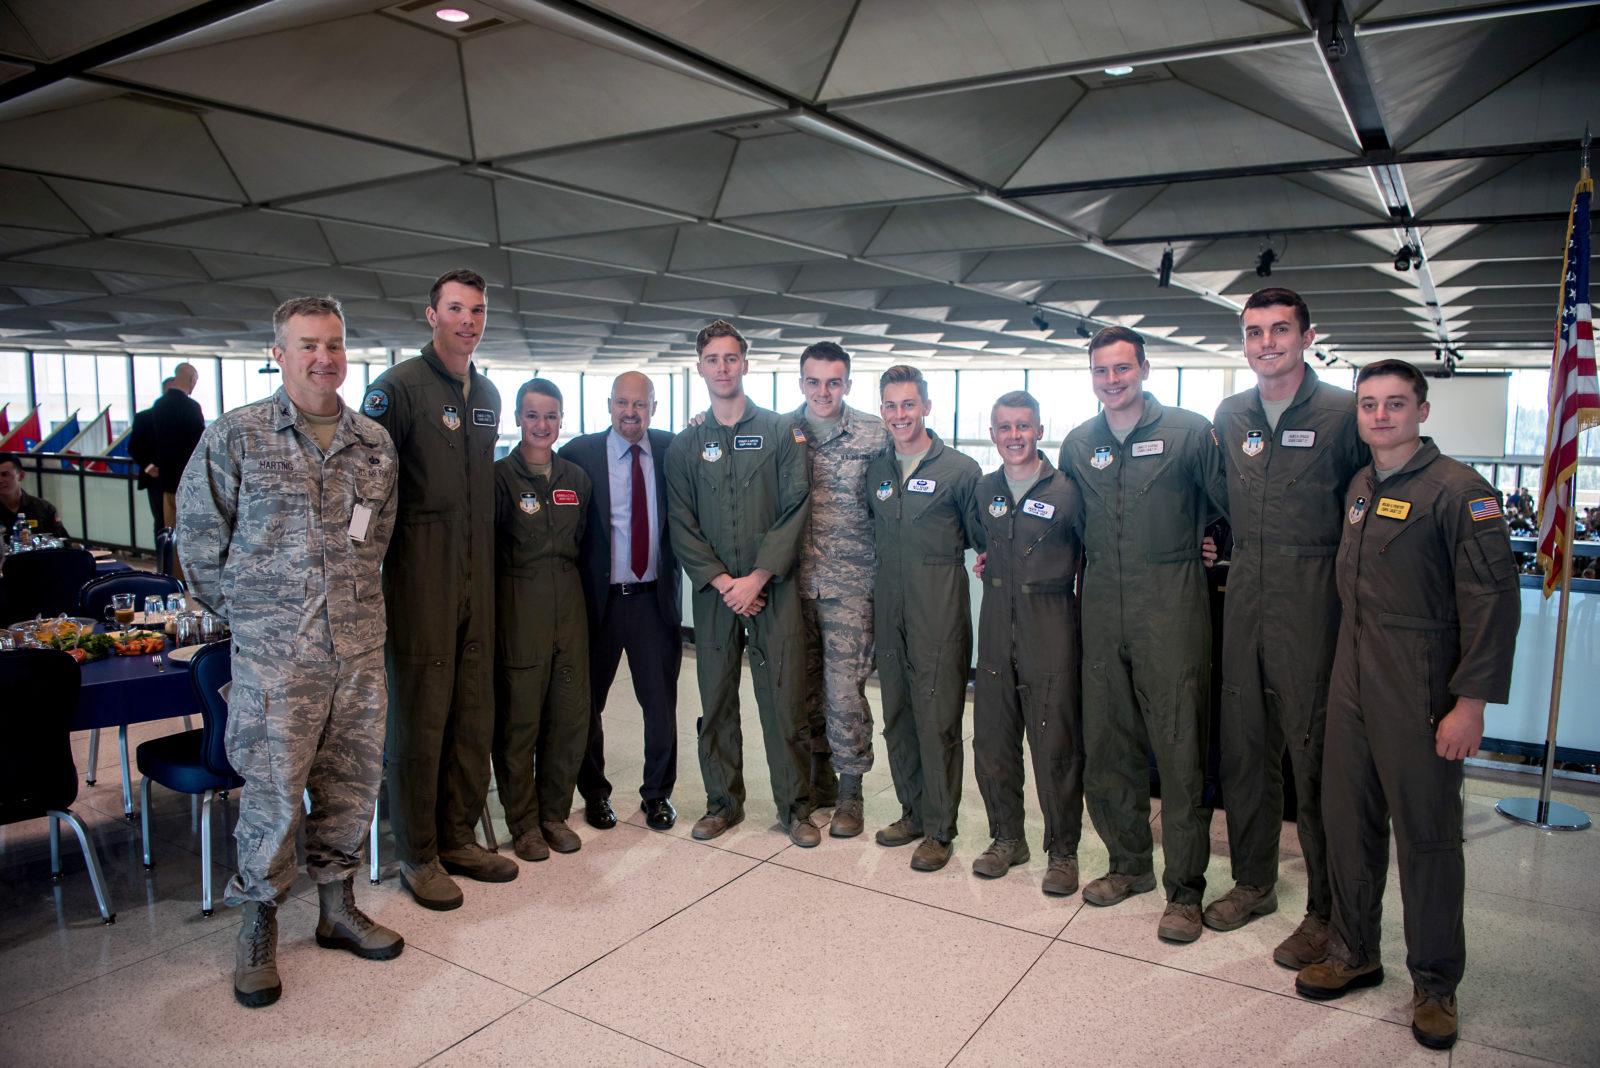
(1307,946)
(1239,906)
(847,815)
(1333,978)
(1434,1019)
(344,926)
(255,957)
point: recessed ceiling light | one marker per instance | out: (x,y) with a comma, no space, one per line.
(1115,72)
(455,14)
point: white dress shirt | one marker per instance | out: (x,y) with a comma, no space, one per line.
(619,464)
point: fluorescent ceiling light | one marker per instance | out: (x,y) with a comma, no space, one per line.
(455,14)
(1115,72)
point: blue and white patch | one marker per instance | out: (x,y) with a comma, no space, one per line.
(1039,508)
(529,503)
(376,404)
(999,506)
(452,418)
(1254,442)
(1102,458)
(1357,510)
(922,485)
(885,490)
(712,451)
(484,417)
(747,441)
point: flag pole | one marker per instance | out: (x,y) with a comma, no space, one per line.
(1542,812)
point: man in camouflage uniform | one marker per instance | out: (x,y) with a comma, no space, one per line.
(837,564)
(284,514)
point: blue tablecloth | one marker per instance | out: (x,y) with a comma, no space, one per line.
(129,689)
(111,567)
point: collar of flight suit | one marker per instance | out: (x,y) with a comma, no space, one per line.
(749,413)
(1152,412)
(345,431)
(431,358)
(840,429)
(1426,453)
(1308,385)
(520,463)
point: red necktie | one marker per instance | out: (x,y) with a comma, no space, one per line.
(639,516)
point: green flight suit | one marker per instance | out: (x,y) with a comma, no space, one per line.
(1281,618)
(922,621)
(738,499)
(1028,655)
(541,646)
(438,589)
(1431,608)
(1147,633)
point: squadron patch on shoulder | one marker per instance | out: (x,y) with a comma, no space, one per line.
(1102,458)
(998,507)
(1254,442)
(1357,510)
(885,490)
(452,418)
(529,503)
(376,403)
(799,436)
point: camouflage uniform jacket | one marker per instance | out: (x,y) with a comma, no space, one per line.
(264,522)
(837,556)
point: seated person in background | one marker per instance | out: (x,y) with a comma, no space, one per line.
(15,501)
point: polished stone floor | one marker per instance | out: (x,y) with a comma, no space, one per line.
(651,948)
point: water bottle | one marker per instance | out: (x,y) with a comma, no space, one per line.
(21,535)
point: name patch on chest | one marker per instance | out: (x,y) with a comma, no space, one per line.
(1390,508)
(565,496)
(1102,458)
(274,465)
(1299,439)
(921,485)
(484,417)
(1039,508)
(529,503)
(1254,442)
(885,490)
(1148,448)
(452,418)
(747,441)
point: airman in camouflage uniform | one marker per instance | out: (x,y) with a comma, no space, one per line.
(838,563)
(284,516)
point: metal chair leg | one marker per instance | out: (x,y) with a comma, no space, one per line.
(489,839)
(144,820)
(372,845)
(94,756)
(205,853)
(91,859)
(127,777)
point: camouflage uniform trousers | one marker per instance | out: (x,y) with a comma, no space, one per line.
(839,654)
(296,726)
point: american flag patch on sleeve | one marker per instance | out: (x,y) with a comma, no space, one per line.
(1484,508)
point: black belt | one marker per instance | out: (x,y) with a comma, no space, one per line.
(628,589)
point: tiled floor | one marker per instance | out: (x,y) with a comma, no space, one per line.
(647,948)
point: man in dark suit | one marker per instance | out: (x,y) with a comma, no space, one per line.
(179,424)
(142,447)
(631,585)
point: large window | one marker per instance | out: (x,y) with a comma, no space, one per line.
(979,391)
(14,386)
(1066,398)
(942,394)
(1200,389)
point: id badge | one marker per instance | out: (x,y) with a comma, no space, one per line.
(360,519)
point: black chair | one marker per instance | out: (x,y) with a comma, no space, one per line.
(37,776)
(194,762)
(45,582)
(92,601)
(166,551)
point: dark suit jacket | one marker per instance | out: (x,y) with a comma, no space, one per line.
(588,451)
(142,444)
(179,424)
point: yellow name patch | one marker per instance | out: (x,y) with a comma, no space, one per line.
(1393,509)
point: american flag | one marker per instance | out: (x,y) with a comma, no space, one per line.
(1574,388)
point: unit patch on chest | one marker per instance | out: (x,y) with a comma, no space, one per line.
(565,496)
(1254,442)
(998,507)
(1357,510)
(712,452)
(885,490)
(1039,508)
(1390,508)
(529,503)
(452,418)
(1102,458)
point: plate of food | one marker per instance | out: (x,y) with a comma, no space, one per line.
(136,642)
(60,626)
(82,646)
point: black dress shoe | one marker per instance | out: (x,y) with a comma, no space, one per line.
(659,814)
(597,811)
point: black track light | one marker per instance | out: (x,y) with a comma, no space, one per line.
(1083,329)
(1040,322)
(1164,278)
(1265,262)
(1438,354)
(1406,257)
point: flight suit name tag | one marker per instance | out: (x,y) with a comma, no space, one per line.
(483,417)
(1254,442)
(1299,439)
(1357,510)
(998,507)
(712,452)
(1101,458)
(747,441)
(1390,508)
(452,418)
(922,485)
(360,519)
(529,503)
(1039,508)
(1148,448)
(565,496)
(885,490)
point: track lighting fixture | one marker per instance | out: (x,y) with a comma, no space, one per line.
(1264,263)
(1164,278)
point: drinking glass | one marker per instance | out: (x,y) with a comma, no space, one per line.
(187,631)
(210,628)
(120,610)
(154,609)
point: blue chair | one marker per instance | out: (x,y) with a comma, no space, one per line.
(45,582)
(37,776)
(194,762)
(166,551)
(92,601)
